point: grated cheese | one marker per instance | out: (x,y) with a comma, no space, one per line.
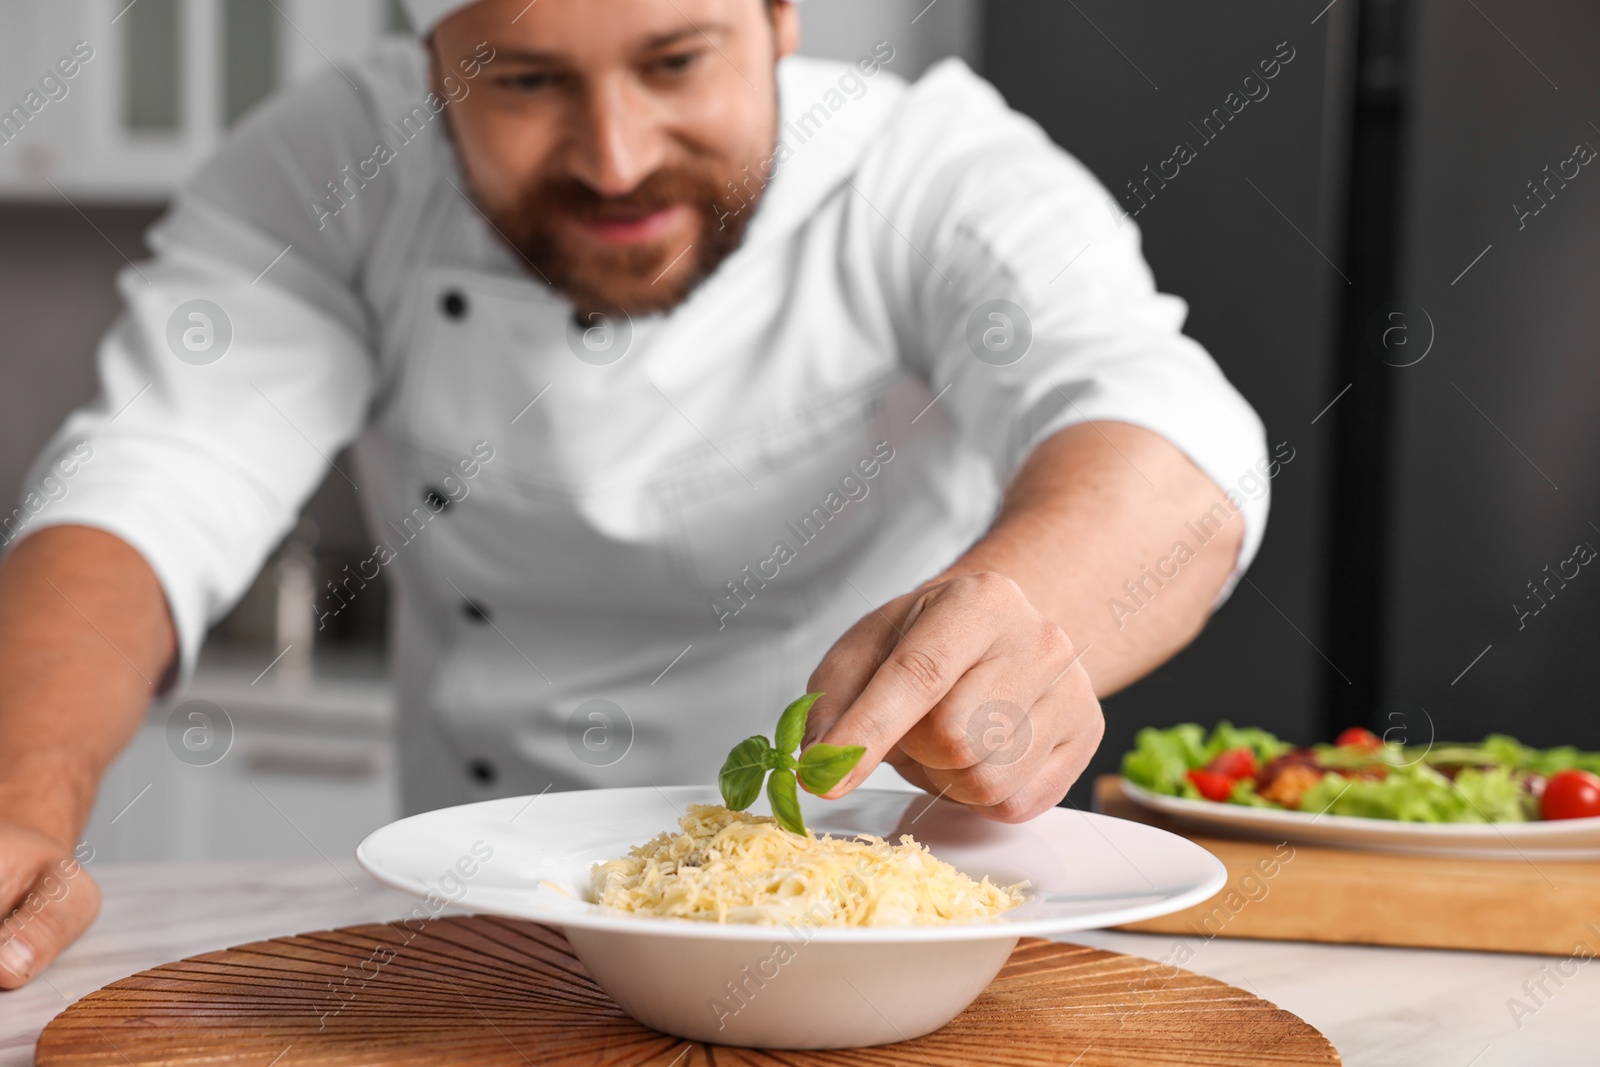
(733,867)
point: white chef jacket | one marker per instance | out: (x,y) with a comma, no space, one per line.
(628,510)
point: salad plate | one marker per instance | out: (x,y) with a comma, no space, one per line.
(1566,839)
(1492,799)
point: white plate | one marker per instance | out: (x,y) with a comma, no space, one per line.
(530,857)
(1559,839)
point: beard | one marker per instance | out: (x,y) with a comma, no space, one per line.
(640,278)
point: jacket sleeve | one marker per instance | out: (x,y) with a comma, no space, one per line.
(240,365)
(1028,306)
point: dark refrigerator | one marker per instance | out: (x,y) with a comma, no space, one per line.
(1390,246)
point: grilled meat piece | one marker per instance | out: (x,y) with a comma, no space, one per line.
(1292,782)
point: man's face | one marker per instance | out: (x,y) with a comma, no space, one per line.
(608,140)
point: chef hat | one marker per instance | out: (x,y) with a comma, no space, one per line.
(425,14)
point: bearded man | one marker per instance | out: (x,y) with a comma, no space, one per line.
(683,375)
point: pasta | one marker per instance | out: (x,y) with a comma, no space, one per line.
(733,867)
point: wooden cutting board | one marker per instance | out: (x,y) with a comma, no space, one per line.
(483,991)
(1291,892)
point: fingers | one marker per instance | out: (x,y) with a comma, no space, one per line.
(1043,790)
(1006,745)
(975,696)
(955,630)
(910,770)
(849,665)
(1003,761)
(993,700)
(57,905)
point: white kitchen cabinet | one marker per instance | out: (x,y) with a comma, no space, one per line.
(168,77)
(156,84)
(308,773)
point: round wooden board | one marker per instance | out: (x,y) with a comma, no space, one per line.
(492,992)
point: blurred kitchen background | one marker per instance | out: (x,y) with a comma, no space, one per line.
(1411,531)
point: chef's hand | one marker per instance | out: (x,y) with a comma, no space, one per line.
(46,899)
(968,691)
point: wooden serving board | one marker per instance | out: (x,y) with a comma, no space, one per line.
(1293,892)
(491,992)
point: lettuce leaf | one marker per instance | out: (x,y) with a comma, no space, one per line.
(1244,794)
(1160,757)
(1501,750)
(1228,736)
(1418,793)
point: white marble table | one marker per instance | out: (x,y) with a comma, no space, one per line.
(1415,1008)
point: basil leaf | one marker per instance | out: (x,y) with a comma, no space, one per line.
(741,774)
(792,724)
(785,801)
(823,766)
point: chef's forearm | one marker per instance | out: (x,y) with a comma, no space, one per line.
(85,637)
(1102,504)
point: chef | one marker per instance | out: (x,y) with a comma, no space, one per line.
(684,375)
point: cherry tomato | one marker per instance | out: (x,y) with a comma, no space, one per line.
(1212,786)
(1358,737)
(1234,763)
(1570,794)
